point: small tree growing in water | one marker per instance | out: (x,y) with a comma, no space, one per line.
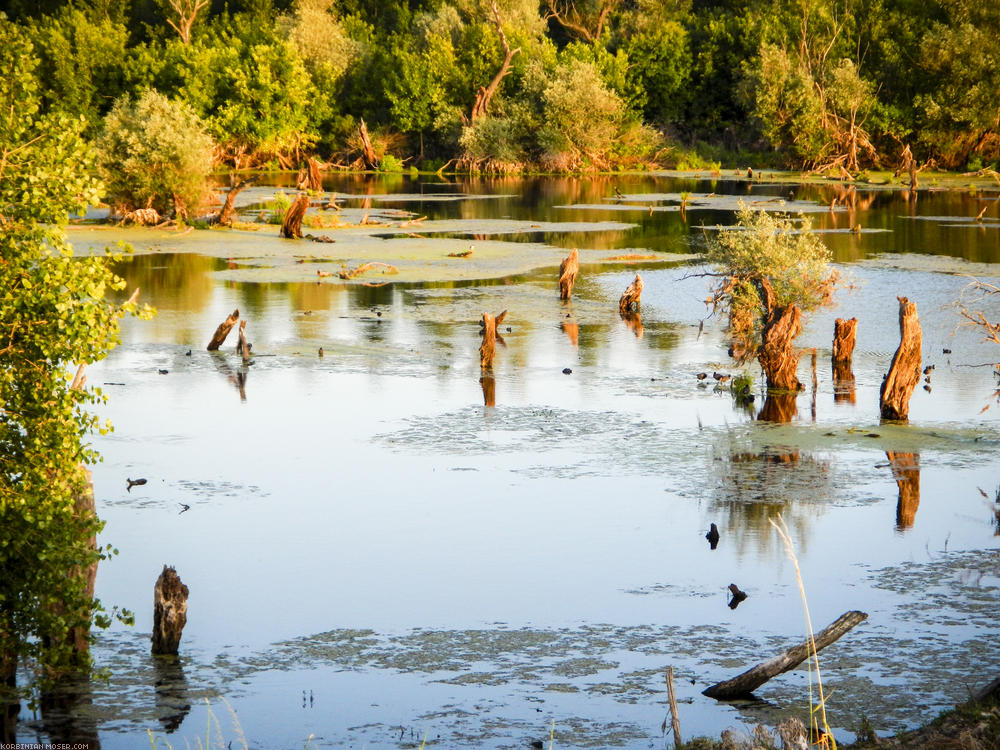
(771,269)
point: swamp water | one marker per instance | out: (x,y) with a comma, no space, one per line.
(375,557)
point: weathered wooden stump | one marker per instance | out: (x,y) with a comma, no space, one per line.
(169,612)
(291,226)
(242,346)
(777,356)
(226,214)
(315,176)
(568,270)
(844,334)
(223,330)
(629,301)
(487,350)
(367,150)
(906,472)
(904,373)
(744,684)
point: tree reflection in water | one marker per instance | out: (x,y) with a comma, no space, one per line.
(172,701)
(906,472)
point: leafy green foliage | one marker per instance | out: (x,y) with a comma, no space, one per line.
(54,312)
(155,153)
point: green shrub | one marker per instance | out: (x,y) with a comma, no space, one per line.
(390,163)
(155,153)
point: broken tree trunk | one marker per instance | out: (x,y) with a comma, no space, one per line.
(226,214)
(487,350)
(485,94)
(744,684)
(243,347)
(629,301)
(844,333)
(223,330)
(777,356)
(169,612)
(291,226)
(568,270)
(904,373)
(367,150)
(906,472)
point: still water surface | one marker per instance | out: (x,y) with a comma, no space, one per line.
(375,556)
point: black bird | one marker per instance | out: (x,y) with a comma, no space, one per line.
(713,536)
(702,375)
(164,372)
(133,483)
(184,507)
(927,370)
(738,596)
(618,193)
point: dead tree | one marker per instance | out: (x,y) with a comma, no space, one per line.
(226,214)
(223,330)
(906,472)
(291,226)
(367,150)
(844,333)
(487,350)
(904,373)
(169,612)
(485,94)
(744,684)
(243,347)
(577,22)
(187,12)
(629,301)
(776,355)
(568,270)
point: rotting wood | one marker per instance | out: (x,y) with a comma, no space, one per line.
(352,272)
(906,472)
(315,176)
(228,208)
(223,330)
(629,301)
(367,150)
(744,684)
(169,612)
(675,720)
(242,346)
(844,334)
(777,356)
(291,225)
(904,372)
(568,270)
(487,350)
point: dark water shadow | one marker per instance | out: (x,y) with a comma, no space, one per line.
(172,702)
(66,715)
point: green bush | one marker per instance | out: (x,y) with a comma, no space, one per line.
(155,153)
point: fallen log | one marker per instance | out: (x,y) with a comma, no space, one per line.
(169,612)
(568,270)
(291,225)
(744,684)
(904,372)
(629,301)
(223,330)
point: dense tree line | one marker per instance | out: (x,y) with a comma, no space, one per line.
(506,85)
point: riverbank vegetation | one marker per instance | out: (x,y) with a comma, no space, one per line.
(834,86)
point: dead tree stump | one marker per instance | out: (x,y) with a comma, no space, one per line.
(906,472)
(904,373)
(568,270)
(629,301)
(243,347)
(315,176)
(777,356)
(291,226)
(223,330)
(844,333)
(169,612)
(487,350)
(367,150)
(226,214)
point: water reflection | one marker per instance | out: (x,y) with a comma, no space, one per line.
(237,377)
(66,714)
(572,331)
(779,406)
(633,321)
(172,702)
(489,385)
(906,472)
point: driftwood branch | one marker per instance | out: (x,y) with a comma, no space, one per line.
(223,330)
(744,684)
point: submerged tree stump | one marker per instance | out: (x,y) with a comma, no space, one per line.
(776,355)
(242,346)
(487,350)
(228,208)
(844,333)
(291,226)
(568,270)
(744,684)
(223,330)
(169,612)
(904,373)
(629,301)
(906,472)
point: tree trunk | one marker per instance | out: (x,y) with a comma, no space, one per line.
(906,472)
(315,176)
(629,301)
(485,94)
(169,612)
(291,226)
(568,270)
(904,373)
(744,684)
(9,705)
(367,150)
(226,214)
(777,356)
(223,330)
(86,511)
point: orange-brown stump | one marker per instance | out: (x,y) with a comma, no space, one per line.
(629,301)
(487,350)
(904,372)
(844,334)
(169,612)
(778,358)
(568,270)
(291,226)
(223,330)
